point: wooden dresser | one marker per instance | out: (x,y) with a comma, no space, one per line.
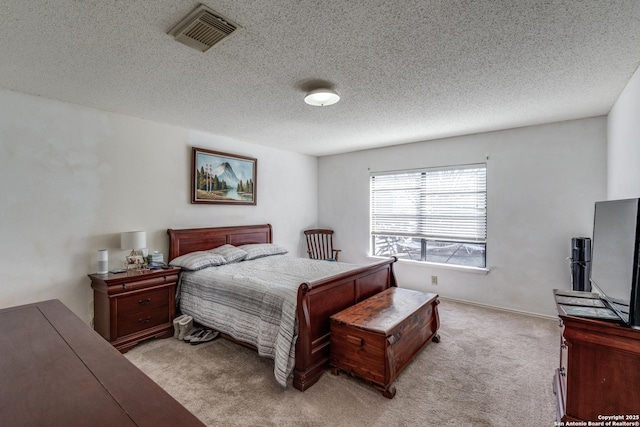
(134,306)
(378,337)
(57,371)
(599,371)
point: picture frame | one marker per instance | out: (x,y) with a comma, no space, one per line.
(223,178)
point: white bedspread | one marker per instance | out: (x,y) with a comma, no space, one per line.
(255,302)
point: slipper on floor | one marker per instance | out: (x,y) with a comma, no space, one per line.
(197,333)
(185,325)
(208,335)
(194,332)
(176,325)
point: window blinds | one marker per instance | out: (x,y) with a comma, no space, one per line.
(438,204)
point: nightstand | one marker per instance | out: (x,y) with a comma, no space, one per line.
(134,306)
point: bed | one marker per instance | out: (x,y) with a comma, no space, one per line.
(316,299)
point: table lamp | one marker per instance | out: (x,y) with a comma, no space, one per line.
(133,240)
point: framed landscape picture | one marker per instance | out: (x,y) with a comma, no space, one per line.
(222,178)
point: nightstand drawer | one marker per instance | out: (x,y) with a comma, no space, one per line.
(132,283)
(142,301)
(142,320)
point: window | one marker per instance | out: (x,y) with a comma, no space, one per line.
(432,215)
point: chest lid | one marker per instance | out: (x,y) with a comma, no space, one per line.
(384,311)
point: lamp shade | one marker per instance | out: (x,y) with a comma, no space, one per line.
(133,240)
(322,97)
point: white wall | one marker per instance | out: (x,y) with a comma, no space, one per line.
(73,178)
(542,182)
(623,172)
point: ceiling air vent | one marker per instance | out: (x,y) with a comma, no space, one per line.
(202,28)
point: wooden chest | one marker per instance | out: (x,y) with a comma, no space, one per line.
(378,337)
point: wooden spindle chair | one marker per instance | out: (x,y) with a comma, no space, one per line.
(320,244)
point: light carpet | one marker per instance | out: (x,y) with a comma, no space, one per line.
(491,368)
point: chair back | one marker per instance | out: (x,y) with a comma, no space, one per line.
(320,244)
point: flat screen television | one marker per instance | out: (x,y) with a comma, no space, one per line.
(615,257)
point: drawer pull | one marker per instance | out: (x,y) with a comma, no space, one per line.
(144,301)
(143,321)
(355,340)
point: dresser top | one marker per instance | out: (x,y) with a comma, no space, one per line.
(57,370)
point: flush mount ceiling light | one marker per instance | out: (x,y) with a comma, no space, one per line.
(321,97)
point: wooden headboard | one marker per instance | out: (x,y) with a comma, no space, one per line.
(201,239)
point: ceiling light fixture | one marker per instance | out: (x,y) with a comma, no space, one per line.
(322,97)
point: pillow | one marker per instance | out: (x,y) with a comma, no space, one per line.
(197,260)
(230,253)
(259,250)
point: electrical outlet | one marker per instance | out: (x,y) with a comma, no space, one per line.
(434,280)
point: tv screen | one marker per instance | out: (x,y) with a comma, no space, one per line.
(614,258)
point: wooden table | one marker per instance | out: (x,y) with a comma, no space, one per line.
(56,371)
(378,337)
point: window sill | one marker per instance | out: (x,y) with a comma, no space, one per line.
(461,268)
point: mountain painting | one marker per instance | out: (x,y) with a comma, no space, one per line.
(223,178)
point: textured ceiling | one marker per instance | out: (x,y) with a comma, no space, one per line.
(406,70)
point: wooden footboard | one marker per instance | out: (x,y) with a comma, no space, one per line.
(320,299)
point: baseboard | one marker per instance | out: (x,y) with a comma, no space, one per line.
(510,310)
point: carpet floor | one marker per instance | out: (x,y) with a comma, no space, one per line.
(491,368)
